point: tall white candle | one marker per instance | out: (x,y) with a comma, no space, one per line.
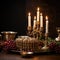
(46,24)
(41,20)
(29,19)
(38,14)
(34,22)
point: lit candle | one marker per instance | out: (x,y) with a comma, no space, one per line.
(37,14)
(46,24)
(41,20)
(29,19)
(34,23)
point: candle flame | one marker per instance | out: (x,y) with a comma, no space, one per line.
(34,17)
(41,14)
(29,13)
(46,17)
(38,8)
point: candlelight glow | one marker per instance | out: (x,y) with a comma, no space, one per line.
(46,17)
(34,17)
(38,8)
(41,14)
(29,13)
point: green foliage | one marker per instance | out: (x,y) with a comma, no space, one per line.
(57,42)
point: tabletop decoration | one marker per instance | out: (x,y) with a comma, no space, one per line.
(37,29)
(9,45)
(38,26)
(7,41)
(54,47)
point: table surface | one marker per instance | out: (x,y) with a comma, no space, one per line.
(14,56)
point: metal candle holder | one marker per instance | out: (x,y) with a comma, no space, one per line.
(29,31)
(34,32)
(38,30)
(41,31)
(46,42)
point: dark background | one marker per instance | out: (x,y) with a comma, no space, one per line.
(13,14)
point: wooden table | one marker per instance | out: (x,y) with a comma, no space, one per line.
(12,56)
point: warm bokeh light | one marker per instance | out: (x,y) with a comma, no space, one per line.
(36,58)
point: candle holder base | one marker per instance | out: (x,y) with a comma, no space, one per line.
(45,48)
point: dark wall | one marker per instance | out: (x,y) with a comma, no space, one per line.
(13,14)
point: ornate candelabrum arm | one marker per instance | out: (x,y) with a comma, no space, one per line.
(29,31)
(45,48)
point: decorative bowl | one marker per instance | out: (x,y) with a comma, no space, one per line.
(8,35)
